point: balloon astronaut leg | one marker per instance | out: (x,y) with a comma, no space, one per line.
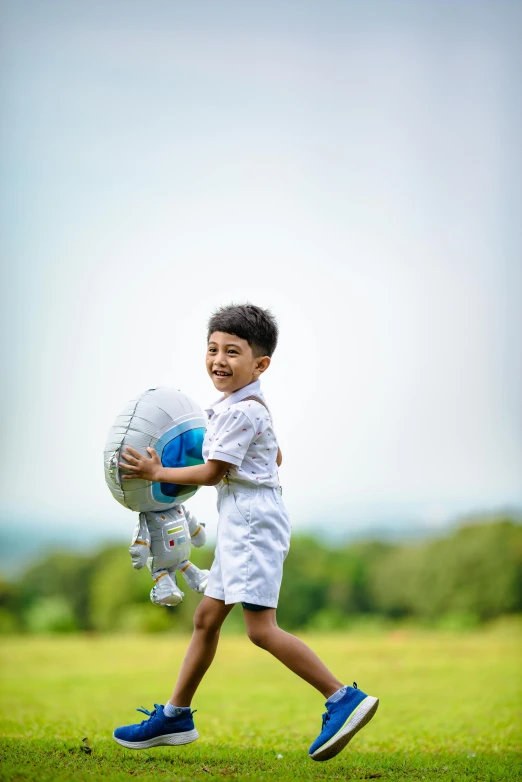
(162,540)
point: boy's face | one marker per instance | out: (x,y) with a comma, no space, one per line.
(231,363)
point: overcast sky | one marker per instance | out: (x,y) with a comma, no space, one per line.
(356,167)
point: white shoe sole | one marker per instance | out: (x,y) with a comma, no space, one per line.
(360,717)
(168,740)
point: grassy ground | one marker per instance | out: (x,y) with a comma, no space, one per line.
(450,709)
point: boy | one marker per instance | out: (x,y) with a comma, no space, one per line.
(242,459)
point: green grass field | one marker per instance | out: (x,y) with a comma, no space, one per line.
(450,708)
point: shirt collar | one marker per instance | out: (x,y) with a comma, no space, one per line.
(253,389)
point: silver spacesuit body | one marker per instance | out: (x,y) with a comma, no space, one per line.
(162,540)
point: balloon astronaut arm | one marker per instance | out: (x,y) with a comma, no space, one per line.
(140,546)
(150,468)
(198,536)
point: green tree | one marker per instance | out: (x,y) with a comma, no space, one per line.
(477,571)
(60,574)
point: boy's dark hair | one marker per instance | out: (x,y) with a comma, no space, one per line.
(257,326)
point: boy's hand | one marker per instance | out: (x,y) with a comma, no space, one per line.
(140,466)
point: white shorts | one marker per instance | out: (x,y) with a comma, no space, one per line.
(253,538)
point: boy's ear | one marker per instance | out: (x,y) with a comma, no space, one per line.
(262,364)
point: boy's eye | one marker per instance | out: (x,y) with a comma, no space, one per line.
(233,351)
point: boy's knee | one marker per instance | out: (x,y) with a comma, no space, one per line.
(205,621)
(257,636)
(260,636)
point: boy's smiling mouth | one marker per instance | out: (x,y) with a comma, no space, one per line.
(220,373)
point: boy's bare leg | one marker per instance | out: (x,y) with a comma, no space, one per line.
(209,616)
(263,631)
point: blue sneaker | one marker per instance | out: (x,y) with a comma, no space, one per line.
(158,730)
(341,722)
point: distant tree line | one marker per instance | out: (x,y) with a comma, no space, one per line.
(472,575)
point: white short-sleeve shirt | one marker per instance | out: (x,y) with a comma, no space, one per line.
(240,432)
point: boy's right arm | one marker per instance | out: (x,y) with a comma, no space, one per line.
(279,457)
(151,469)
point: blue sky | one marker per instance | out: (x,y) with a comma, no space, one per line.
(354,166)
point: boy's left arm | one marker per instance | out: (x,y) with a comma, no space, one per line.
(151,469)
(279,457)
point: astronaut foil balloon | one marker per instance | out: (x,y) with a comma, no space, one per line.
(170,422)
